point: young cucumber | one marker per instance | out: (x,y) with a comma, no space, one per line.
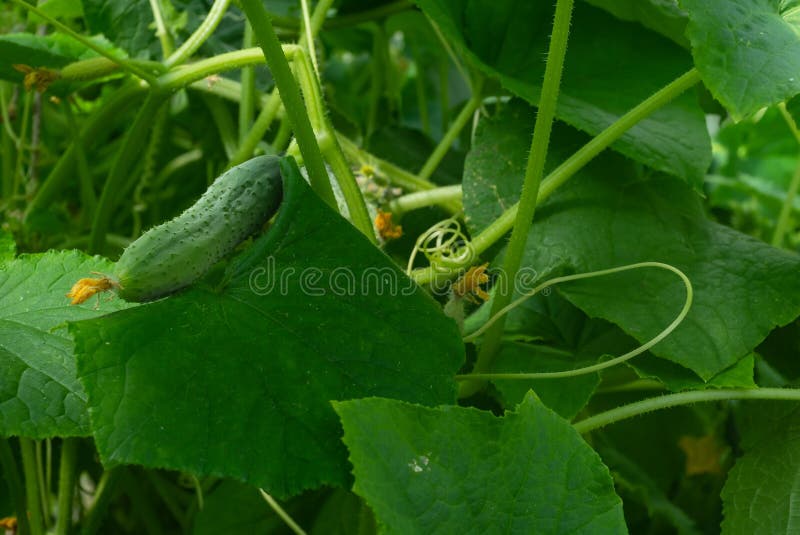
(174,254)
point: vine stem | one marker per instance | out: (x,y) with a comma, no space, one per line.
(121,168)
(530,188)
(601,365)
(34,500)
(330,148)
(681,398)
(420,199)
(200,35)
(247,104)
(275,506)
(14,482)
(782,224)
(292,101)
(88,43)
(161,29)
(500,226)
(452,133)
(66,484)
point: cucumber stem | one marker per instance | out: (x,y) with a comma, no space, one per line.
(530,189)
(292,100)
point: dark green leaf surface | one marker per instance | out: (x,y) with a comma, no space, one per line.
(611,66)
(606,217)
(7,247)
(128,23)
(662,16)
(747,51)
(40,395)
(458,470)
(228,380)
(762,487)
(234,508)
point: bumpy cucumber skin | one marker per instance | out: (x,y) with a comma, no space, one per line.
(172,255)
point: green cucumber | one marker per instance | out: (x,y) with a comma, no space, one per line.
(174,254)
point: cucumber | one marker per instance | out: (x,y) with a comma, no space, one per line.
(173,255)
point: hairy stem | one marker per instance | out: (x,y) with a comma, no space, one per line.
(450,136)
(530,187)
(421,199)
(34,501)
(292,101)
(67,478)
(682,398)
(200,35)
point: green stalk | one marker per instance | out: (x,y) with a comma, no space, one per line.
(276,507)
(44,489)
(421,199)
(14,482)
(247,103)
(452,133)
(331,149)
(682,398)
(256,132)
(530,189)
(19,173)
(161,29)
(104,493)
(129,66)
(782,224)
(66,484)
(95,128)
(185,75)
(292,101)
(200,35)
(500,226)
(33,497)
(224,123)
(120,171)
(397,175)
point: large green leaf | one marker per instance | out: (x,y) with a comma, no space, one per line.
(458,470)
(608,216)
(764,484)
(40,395)
(748,51)
(128,23)
(611,66)
(234,378)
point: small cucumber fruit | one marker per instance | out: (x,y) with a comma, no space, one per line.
(174,254)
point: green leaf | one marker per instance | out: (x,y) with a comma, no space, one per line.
(677,378)
(607,216)
(747,51)
(344,513)
(241,366)
(40,396)
(50,51)
(763,485)
(610,67)
(128,23)
(459,470)
(662,16)
(564,396)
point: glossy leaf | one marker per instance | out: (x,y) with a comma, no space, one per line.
(610,67)
(40,395)
(128,23)
(230,377)
(662,16)
(748,51)
(457,470)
